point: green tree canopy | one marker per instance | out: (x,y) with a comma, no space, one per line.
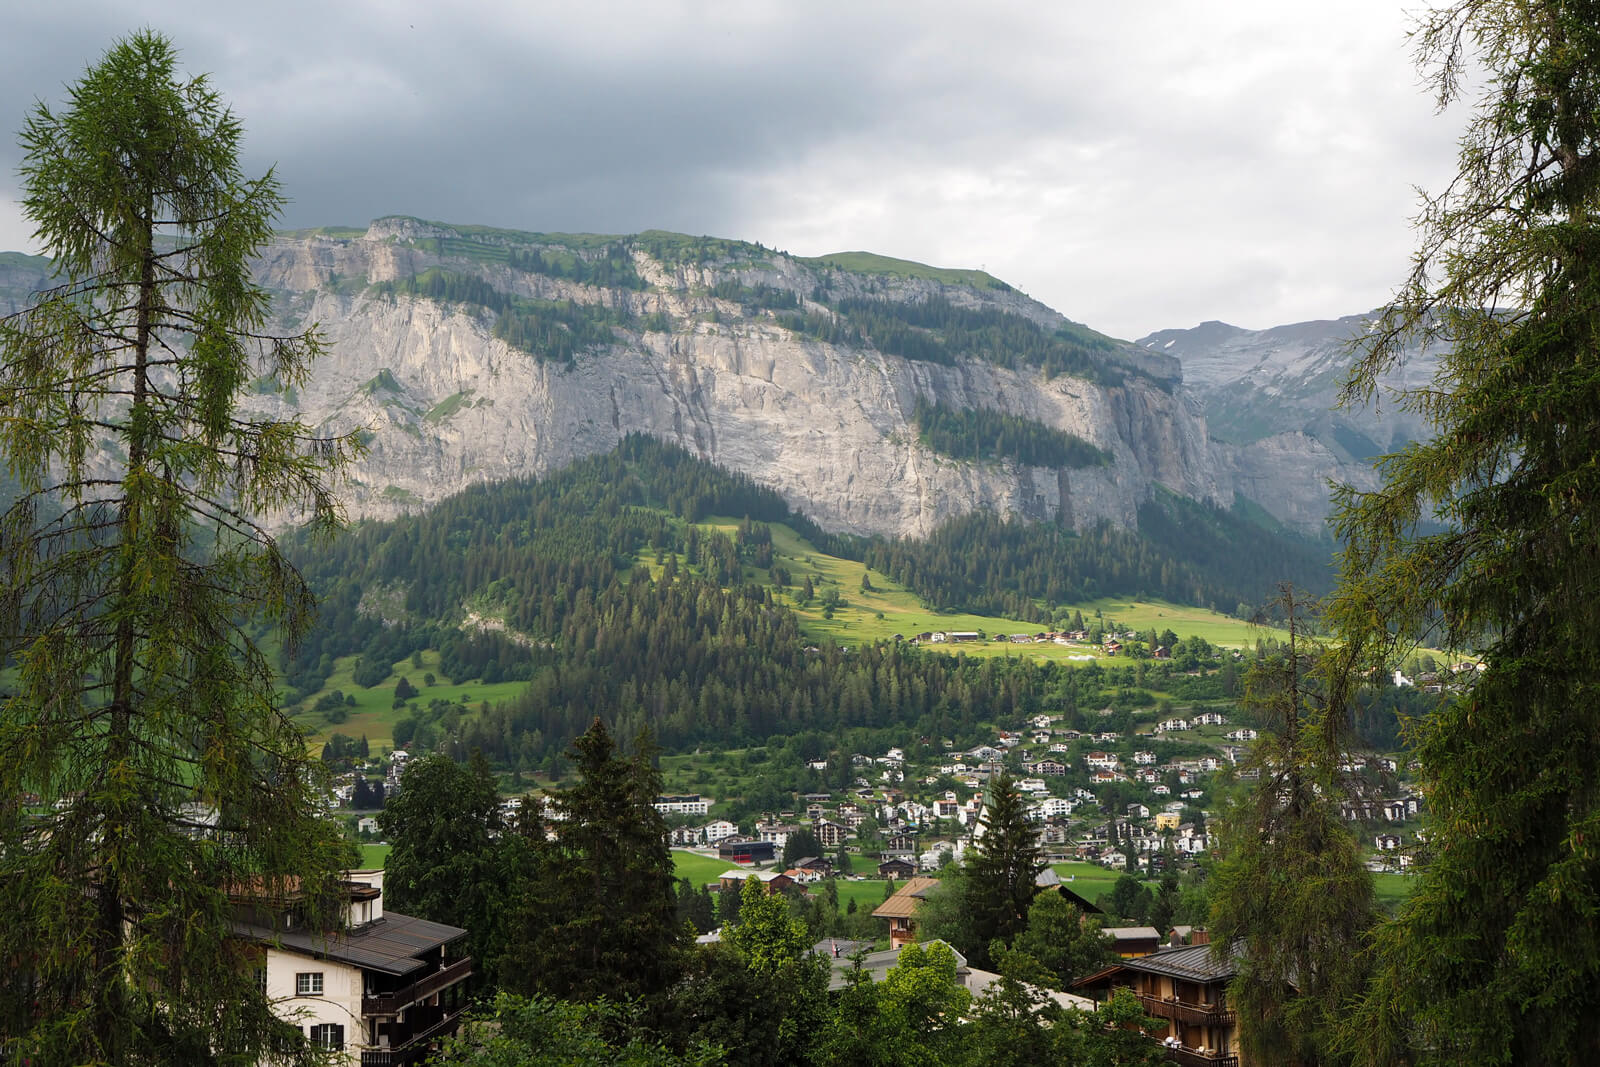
(1000,869)
(1065,942)
(135,572)
(452,860)
(1485,538)
(767,935)
(540,1032)
(600,918)
(1290,900)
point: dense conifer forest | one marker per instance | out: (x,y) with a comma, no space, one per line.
(610,601)
(986,434)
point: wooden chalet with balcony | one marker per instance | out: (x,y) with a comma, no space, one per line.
(382,990)
(1188,989)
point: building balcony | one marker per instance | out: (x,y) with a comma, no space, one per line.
(1184,1012)
(395,1002)
(386,1057)
(417,1046)
(1193,1057)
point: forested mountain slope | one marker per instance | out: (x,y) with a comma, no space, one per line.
(593,585)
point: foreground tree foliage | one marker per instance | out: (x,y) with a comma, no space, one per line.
(133,570)
(540,1032)
(1290,900)
(1496,957)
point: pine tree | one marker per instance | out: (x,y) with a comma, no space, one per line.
(1485,538)
(134,574)
(1000,869)
(600,918)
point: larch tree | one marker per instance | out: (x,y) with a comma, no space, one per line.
(1291,902)
(1487,537)
(148,776)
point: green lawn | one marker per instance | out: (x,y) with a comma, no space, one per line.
(374,714)
(1088,880)
(904,613)
(1184,621)
(867,894)
(698,869)
(373,856)
(1392,889)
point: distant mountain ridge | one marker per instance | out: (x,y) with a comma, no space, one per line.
(473,354)
(1286,379)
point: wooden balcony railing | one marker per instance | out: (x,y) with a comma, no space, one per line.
(417,1047)
(1193,1014)
(1192,1057)
(393,1003)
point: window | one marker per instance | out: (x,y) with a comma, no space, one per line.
(308,983)
(261,979)
(327,1035)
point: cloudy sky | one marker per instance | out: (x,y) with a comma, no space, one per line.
(1136,165)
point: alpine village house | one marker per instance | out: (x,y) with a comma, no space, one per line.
(384,989)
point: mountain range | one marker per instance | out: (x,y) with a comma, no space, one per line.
(472,354)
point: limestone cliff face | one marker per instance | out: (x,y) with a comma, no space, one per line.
(694,352)
(828,425)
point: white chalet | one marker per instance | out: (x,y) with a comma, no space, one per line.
(384,989)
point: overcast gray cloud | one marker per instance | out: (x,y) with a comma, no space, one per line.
(1136,166)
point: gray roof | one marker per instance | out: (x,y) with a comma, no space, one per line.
(393,944)
(1194,963)
(839,948)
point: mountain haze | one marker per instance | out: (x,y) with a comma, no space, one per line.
(1277,390)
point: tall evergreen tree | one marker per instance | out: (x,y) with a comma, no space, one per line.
(600,918)
(452,861)
(1000,869)
(1485,538)
(1290,900)
(134,574)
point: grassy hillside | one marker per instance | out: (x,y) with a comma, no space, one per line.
(862,617)
(902,612)
(872,263)
(373,713)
